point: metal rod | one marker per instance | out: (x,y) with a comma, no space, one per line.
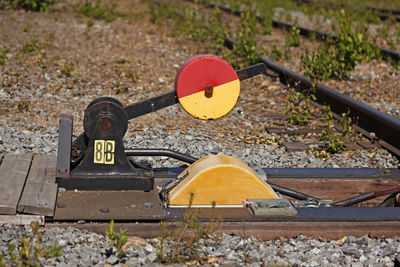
(291,193)
(389,201)
(367,196)
(149,152)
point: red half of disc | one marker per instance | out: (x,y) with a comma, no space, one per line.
(201,71)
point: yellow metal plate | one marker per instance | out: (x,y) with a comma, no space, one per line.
(220,178)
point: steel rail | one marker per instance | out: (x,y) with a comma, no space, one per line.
(321,36)
(383,11)
(384,126)
(369,119)
(307,173)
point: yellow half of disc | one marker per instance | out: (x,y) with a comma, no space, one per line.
(222,101)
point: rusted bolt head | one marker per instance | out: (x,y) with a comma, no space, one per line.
(147,205)
(105,125)
(208,92)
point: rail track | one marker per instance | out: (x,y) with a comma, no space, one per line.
(368,120)
(309,33)
(381,13)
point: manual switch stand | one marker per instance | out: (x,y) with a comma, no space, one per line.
(104,165)
(97,159)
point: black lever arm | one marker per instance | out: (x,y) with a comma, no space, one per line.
(159,102)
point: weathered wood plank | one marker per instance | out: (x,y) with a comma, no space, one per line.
(13,172)
(21,219)
(40,192)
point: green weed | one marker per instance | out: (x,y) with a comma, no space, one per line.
(30,250)
(31,5)
(299,108)
(119,88)
(337,58)
(182,245)
(26,28)
(157,13)
(36,45)
(67,69)
(3,55)
(244,53)
(96,10)
(276,53)
(336,141)
(117,239)
(292,39)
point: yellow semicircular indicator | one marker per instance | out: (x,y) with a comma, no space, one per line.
(223,100)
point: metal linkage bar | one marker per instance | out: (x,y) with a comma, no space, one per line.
(140,152)
(291,193)
(367,196)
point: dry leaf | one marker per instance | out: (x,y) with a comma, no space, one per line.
(133,241)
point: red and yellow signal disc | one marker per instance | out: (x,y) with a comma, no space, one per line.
(207,87)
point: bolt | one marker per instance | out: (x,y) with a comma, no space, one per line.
(105,125)
(208,92)
(147,204)
(147,174)
(387,172)
(104,210)
(61,205)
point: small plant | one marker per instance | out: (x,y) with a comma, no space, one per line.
(67,69)
(159,13)
(30,250)
(299,108)
(36,45)
(32,45)
(120,88)
(121,61)
(98,11)
(336,58)
(31,5)
(335,141)
(26,28)
(276,53)
(182,243)
(244,53)
(293,37)
(3,55)
(117,239)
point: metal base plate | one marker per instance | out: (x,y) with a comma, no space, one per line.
(108,205)
(106,183)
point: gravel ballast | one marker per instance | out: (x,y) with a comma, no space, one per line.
(83,248)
